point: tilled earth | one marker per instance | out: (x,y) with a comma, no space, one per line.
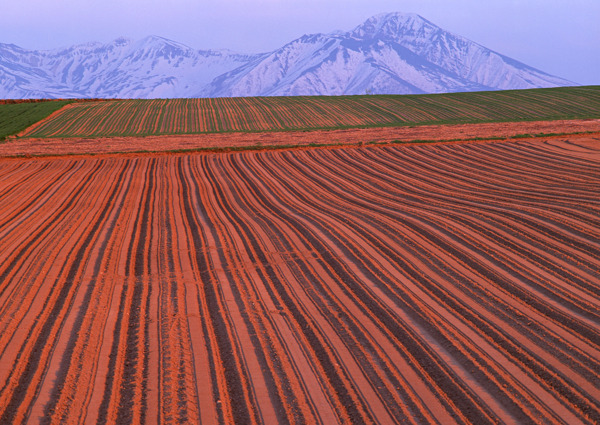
(261,140)
(446,283)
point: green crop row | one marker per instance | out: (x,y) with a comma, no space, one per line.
(16,117)
(192,116)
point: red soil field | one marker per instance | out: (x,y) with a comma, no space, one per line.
(447,283)
(81,146)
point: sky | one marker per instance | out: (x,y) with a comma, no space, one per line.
(561,37)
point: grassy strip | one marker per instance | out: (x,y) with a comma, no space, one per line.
(16,117)
(258,148)
(479,139)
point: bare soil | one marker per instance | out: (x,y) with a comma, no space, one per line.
(445,283)
(219,141)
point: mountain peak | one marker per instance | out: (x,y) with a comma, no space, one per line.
(121,41)
(156,46)
(391,26)
(149,39)
(158,42)
(395,16)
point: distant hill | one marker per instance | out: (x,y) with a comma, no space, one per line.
(391,53)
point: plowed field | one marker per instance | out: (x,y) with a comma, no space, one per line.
(443,284)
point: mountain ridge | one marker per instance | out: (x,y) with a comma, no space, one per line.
(389,53)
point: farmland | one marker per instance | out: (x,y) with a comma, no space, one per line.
(449,283)
(117,118)
(15,117)
(223,142)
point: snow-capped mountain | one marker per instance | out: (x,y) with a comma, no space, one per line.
(153,67)
(389,53)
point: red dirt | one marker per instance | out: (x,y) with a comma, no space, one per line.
(26,146)
(452,283)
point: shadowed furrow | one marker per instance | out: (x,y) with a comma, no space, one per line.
(422,284)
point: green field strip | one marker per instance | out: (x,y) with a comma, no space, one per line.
(16,117)
(192,116)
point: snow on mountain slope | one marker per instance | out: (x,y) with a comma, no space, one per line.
(336,65)
(454,53)
(150,68)
(388,53)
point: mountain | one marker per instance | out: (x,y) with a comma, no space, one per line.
(391,53)
(150,68)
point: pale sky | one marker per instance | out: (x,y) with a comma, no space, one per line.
(561,37)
